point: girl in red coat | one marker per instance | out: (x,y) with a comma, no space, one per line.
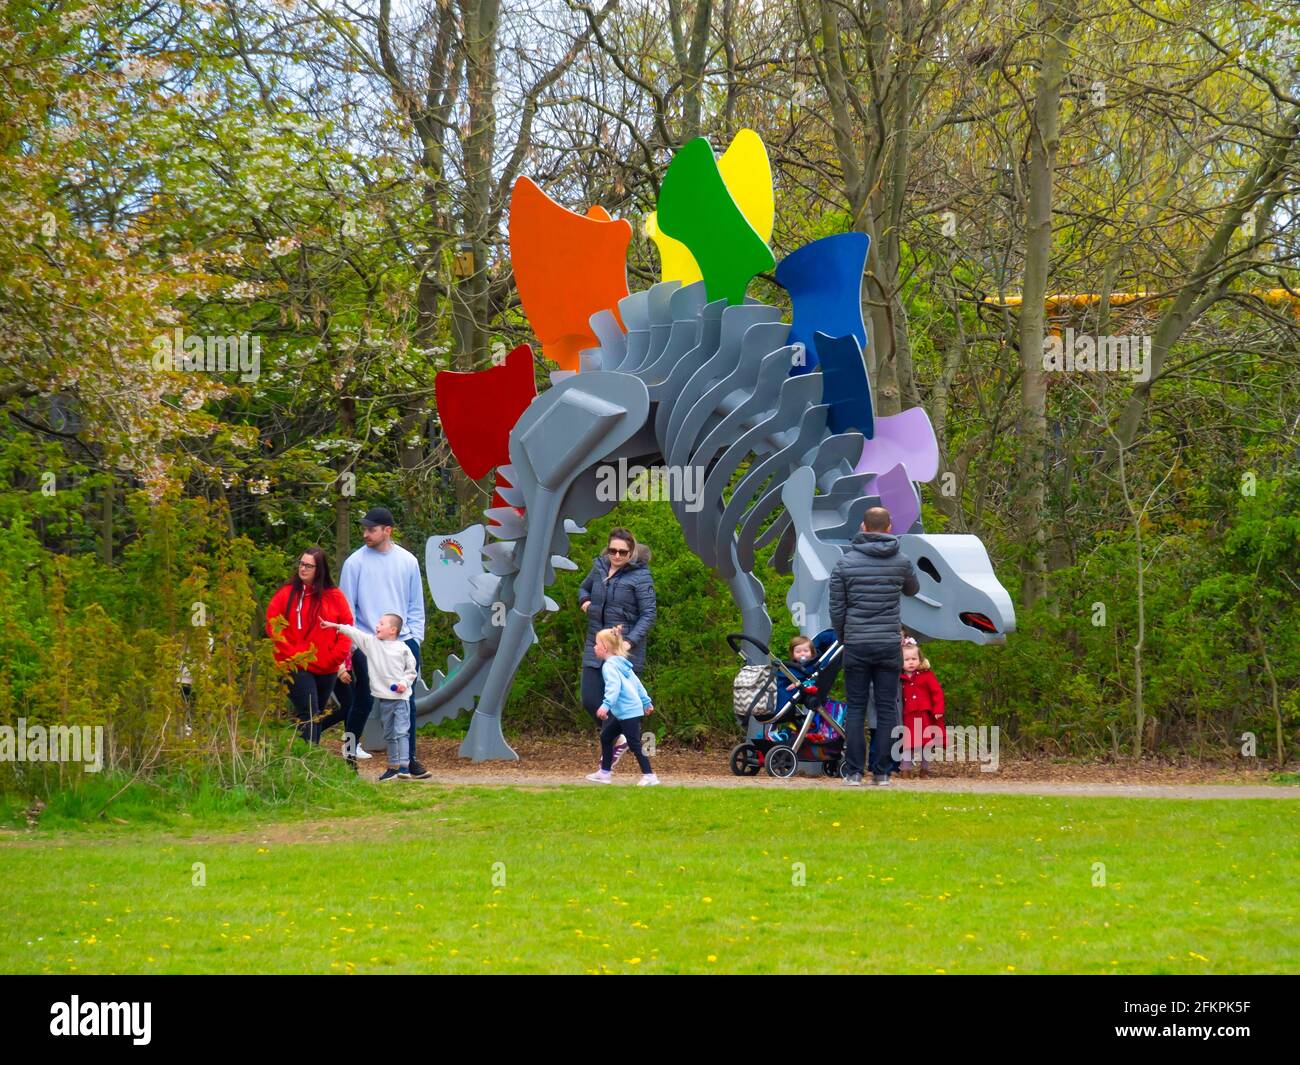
(922,710)
(293,620)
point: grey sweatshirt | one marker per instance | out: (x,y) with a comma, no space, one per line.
(389,662)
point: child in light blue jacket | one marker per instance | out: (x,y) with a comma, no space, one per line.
(624,704)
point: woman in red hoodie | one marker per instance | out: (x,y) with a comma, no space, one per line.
(922,710)
(293,620)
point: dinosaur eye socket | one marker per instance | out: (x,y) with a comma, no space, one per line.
(928,567)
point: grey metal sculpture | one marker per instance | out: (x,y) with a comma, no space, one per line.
(702,385)
(774,422)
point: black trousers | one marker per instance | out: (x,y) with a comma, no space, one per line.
(593,690)
(631,730)
(871,671)
(309,693)
(354,700)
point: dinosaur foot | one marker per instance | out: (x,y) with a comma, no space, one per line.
(484,741)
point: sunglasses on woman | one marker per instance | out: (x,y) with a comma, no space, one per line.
(619,551)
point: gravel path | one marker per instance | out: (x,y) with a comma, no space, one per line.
(968,787)
(565,760)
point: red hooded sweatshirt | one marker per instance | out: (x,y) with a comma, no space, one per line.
(302,630)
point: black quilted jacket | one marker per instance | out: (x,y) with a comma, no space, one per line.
(866,587)
(627,599)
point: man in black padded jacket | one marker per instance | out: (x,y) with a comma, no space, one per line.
(866,591)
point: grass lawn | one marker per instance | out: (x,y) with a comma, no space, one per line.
(586,879)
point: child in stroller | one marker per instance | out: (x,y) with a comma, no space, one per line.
(783,707)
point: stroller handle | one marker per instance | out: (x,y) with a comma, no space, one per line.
(735,639)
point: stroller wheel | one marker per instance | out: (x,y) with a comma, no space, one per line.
(744,760)
(844,769)
(833,768)
(782,761)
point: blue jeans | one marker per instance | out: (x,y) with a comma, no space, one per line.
(393,713)
(871,670)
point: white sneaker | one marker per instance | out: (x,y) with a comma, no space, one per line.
(601,776)
(363,754)
(649,780)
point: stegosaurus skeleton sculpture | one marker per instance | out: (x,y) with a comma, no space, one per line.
(717,386)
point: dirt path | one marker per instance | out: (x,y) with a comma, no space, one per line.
(549,762)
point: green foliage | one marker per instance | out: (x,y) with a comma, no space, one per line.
(86,644)
(306,780)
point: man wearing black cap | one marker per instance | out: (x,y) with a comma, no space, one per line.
(381,578)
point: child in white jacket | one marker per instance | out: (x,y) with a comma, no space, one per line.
(392,672)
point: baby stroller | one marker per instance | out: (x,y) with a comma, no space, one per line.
(787,731)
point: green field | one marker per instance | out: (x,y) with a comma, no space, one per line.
(580,879)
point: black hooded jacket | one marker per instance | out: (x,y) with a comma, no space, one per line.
(866,588)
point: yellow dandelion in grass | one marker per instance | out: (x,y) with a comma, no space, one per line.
(941,970)
(453,952)
(1011,968)
(633,961)
(1198,957)
(706,899)
(262,850)
(713,957)
(835,824)
(970,935)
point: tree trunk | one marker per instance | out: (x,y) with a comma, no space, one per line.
(106,521)
(343,501)
(1044,138)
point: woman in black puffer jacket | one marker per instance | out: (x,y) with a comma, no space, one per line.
(618,591)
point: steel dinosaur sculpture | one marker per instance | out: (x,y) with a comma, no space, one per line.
(776,420)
